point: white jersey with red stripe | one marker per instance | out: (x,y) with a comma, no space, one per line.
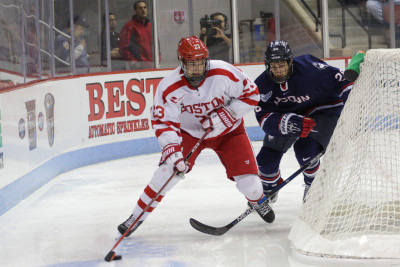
(179,106)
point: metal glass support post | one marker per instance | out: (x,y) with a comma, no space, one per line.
(392,29)
(72,46)
(107,28)
(235,31)
(325,28)
(39,56)
(51,40)
(190,15)
(23,41)
(156,57)
(277,20)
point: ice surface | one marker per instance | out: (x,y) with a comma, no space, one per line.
(72,220)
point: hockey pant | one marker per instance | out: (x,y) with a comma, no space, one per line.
(269,161)
(326,121)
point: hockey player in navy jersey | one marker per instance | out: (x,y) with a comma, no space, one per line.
(301,101)
(199,95)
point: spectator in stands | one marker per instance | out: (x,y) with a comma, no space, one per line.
(379,9)
(136,43)
(213,35)
(63,44)
(114,38)
(376,8)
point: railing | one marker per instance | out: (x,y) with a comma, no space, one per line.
(29,36)
(345,8)
(35,58)
(316,17)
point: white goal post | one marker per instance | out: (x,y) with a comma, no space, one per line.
(352,210)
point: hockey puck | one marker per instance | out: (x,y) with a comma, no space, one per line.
(117,257)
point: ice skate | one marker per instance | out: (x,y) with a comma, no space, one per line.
(264,210)
(125,225)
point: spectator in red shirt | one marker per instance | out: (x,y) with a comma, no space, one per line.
(136,44)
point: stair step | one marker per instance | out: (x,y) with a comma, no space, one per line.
(356,36)
(337,12)
(348,21)
(354,42)
(352,32)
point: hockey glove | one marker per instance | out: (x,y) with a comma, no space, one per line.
(219,121)
(172,155)
(295,125)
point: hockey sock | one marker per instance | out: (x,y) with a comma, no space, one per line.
(310,173)
(148,194)
(270,181)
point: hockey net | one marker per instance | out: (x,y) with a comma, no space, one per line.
(353,207)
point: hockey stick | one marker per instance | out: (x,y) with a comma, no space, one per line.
(111,255)
(211,230)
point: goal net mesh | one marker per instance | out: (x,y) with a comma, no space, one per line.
(353,207)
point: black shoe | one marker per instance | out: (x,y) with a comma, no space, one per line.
(123,227)
(264,210)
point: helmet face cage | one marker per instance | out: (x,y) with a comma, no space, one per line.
(200,68)
(279,51)
(193,57)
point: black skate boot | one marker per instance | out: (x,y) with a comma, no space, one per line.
(264,210)
(125,225)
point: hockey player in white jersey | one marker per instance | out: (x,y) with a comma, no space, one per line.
(199,95)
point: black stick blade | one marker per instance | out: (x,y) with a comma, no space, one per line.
(201,227)
(111,256)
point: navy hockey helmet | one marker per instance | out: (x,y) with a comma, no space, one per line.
(278,51)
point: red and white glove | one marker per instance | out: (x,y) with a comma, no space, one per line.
(218,121)
(296,125)
(172,156)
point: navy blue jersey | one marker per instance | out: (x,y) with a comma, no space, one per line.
(313,86)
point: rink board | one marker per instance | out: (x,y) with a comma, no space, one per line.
(94,118)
